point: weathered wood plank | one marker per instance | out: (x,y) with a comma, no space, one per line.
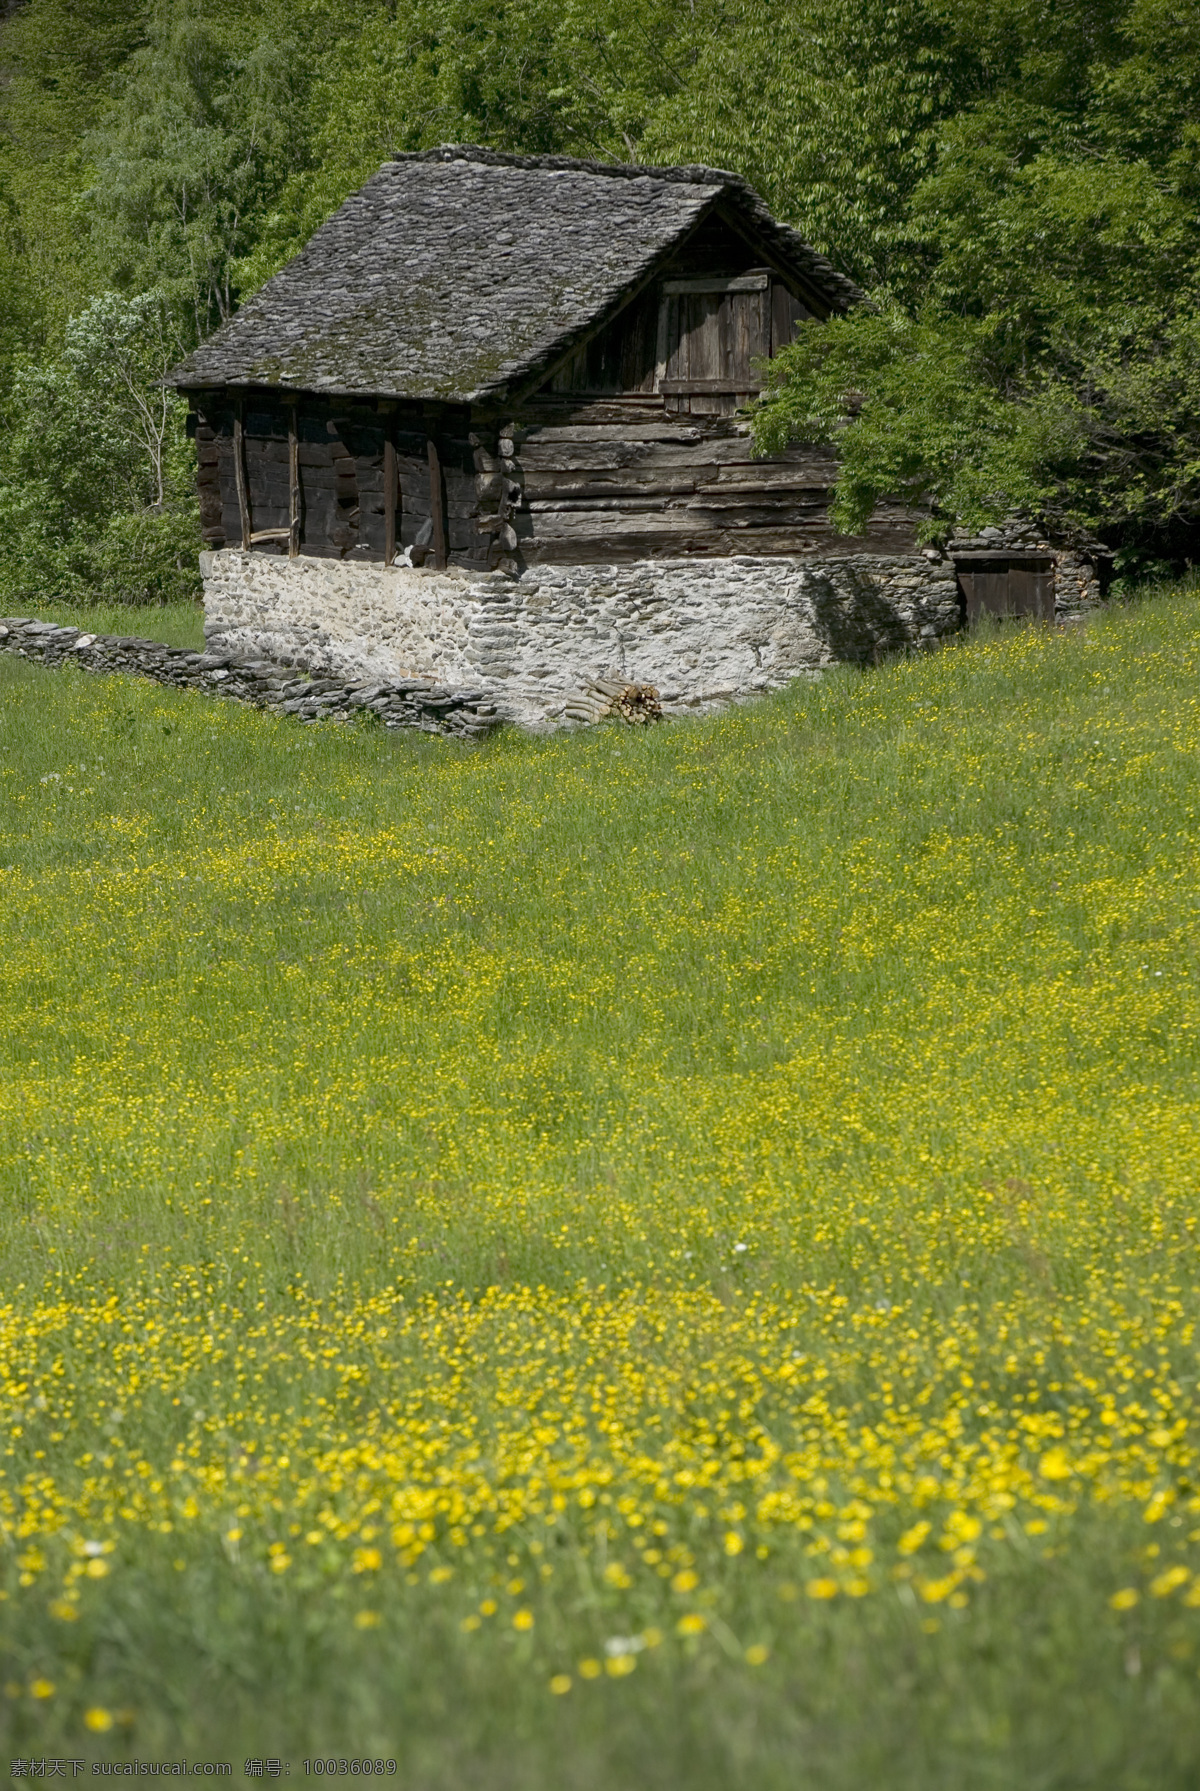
(629,482)
(603,548)
(760,516)
(757,475)
(437,505)
(629,408)
(757,282)
(713,453)
(565,525)
(239,467)
(295,495)
(733,388)
(610,505)
(390,486)
(555,519)
(665,430)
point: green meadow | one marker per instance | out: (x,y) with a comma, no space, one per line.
(634,1258)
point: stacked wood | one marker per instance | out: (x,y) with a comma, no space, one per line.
(610,698)
(638,704)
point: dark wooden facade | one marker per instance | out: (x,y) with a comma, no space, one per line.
(359,480)
(632,448)
(630,443)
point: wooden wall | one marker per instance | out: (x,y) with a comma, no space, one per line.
(633,448)
(341,455)
(622,479)
(669,335)
(636,447)
(569,478)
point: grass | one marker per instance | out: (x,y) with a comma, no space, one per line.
(621,1260)
(178,624)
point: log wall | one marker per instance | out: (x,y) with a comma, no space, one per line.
(567,480)
(624,480)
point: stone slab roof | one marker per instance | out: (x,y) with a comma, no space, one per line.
(460,273)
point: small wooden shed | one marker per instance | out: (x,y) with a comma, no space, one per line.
(494,361)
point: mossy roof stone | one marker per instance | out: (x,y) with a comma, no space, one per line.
(458,274)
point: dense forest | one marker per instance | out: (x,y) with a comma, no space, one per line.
(1015,183)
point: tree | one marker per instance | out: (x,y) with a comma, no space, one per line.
(95,474)
(187,161)
(830,108)
(1038,344)
(58,60)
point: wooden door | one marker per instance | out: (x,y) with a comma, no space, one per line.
(1006,585)
(711,333)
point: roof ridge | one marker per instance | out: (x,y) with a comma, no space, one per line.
(688,173)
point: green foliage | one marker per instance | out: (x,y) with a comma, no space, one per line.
(830,108)
(910,406)
(58,62)
(95,472)
(198,137)
(1054,233)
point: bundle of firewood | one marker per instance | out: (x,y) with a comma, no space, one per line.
(609,698)
(638,704)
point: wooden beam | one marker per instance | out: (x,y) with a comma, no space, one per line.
(684,388)
(667,315)
(239,469)
(269,535)
(704,283)
(437,505)
(389,497)
(294,493)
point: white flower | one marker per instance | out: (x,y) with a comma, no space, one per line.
(616,1645)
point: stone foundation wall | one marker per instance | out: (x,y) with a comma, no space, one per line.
(542,645)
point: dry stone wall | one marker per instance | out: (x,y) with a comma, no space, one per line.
(413,702)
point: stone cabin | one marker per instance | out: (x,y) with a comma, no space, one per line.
(488,429)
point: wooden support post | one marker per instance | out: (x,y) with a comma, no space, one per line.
(239,469)
(294,495)
(437,508)
(389,498)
